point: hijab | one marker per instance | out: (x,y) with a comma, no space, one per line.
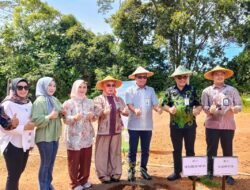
(13,96)
(75,87)
(42,90)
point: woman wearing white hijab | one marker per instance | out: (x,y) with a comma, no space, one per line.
(79,135)
(46,115)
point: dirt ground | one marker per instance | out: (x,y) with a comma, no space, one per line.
(160,162)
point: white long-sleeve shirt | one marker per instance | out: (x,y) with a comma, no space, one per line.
(19,137)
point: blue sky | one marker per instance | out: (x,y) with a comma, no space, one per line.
(86,11)
(233,50)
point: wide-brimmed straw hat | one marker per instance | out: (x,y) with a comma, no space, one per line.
(209,75)
(140,70)
(181,70)
(99,84)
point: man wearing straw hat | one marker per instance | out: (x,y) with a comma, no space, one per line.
(183,105)
(220,102)
(141,99)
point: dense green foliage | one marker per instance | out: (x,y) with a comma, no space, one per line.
(36,40)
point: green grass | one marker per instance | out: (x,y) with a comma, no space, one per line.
(209,183)
(246,109)
(246,102)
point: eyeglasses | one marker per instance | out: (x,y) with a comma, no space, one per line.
(182,77)
(142,77)
(110,85)
(22,87)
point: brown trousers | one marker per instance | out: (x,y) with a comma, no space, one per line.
(79,162)
(108,161)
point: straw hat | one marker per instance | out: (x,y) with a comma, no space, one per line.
(181,70)
(209,75)
(140,70)
(99,84)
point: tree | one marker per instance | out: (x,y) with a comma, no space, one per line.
(25,41)
(189,32)
(6,7)
(40,41)
(240,64)
(104,5)
(241,31)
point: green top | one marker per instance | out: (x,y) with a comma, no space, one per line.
(183,118)
(47,130)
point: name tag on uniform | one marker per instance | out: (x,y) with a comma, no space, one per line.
(186,101)
(147,102)
(225,102)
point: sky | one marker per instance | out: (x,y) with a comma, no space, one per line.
(86,11)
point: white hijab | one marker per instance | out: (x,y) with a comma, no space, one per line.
(74,91)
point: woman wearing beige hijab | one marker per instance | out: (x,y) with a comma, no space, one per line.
(79,135)
(109,108)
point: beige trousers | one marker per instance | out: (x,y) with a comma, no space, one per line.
(108,161)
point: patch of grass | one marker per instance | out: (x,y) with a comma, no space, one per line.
(209,183)
(246,103)
(246,109)
(125,145)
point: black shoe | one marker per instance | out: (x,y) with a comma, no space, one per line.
(230,180)
(106,182)
(193,178)
(114,180)
(174,177)
(145,174)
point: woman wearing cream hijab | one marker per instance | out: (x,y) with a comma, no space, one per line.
(79,135)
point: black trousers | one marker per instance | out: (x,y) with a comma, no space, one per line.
(177,137)
(15,159)
(213,136)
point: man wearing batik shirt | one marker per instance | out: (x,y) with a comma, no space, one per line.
(183,105)
(220,102)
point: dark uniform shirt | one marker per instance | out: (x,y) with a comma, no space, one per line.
(184,101)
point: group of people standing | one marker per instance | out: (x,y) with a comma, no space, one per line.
(24,124)
(29,124)
(219,101)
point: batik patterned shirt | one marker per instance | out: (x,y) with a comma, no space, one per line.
(223,98)
(78,134)
(184,101)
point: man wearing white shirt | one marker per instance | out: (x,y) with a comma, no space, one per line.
(141,100)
